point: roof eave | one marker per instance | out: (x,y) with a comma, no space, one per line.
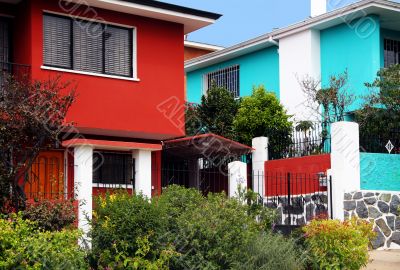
(191,19)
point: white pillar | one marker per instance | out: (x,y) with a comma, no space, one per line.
(143,172)
(83,178)
(260,156)
(318,7)
(237,177)
(345,163)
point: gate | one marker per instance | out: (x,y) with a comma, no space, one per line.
(298,197)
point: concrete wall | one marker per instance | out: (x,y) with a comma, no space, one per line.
(299,56)
(260,67)
(380,171)
(353,48)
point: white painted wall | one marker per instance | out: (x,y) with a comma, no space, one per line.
(259,156)
(299,56)
(345,163)
(237,177)
(143,172)
(318,7)
(83,177)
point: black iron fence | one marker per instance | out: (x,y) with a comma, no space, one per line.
(297,197)
(313,139)
(205,175)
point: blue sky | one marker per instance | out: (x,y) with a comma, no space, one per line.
(245,19)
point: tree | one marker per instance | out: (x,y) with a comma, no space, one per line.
(380,115)
(331,103)
(216,112)
(261,114)
(32,116)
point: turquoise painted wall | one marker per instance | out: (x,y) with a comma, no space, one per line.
(357,49)
(260,67)
(380,172)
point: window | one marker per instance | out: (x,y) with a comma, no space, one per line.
(391,52)
(87,46)
(227,78)
(113,168)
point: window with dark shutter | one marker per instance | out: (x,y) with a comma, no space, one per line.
(118,51)
(88,46)
(113,168)
(57,41)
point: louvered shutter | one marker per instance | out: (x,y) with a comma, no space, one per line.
(88,46)
(57,41)
(118,51)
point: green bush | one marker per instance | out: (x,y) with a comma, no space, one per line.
(23,246)
(51,215)
(272,251)
(121,219)
(333,244)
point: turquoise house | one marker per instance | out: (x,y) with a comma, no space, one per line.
(360,38)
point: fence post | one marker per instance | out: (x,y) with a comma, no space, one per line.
(260,156)
(237,177)
(345,163)
(289,199)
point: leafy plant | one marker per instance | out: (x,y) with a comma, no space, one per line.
(333,244)
(32,116)
(261,114)
(121,219)
(380,115)
(217,112)
(51,215)
(23,246)
(272,251)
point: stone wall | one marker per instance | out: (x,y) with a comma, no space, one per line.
(380,208)
(302,208)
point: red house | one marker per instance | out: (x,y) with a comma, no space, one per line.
(127,59)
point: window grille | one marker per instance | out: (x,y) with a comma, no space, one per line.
(391,52)
(113,168)
(227,78)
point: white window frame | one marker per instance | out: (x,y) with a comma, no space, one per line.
(220,72)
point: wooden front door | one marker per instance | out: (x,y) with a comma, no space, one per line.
(46,177)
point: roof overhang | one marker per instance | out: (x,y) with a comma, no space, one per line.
(205,146)
(202,46)
(387,10)
(228,53)
(111,145)
(192,19)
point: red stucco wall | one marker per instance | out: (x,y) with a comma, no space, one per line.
(115,107)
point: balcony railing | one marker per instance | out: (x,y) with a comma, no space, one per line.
(12,70)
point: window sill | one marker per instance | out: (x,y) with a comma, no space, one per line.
(112,186)
(90,74)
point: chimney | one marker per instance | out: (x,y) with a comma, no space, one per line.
(318,7)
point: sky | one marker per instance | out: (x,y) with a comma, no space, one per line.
(246,19)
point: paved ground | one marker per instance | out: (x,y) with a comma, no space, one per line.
(384,260)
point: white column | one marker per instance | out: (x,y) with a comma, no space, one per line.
(345,163)
(83,178)
(260,155)
(143,172)
(237,177)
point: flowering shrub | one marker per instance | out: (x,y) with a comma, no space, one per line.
(23,246)
(51,215)
(333,244)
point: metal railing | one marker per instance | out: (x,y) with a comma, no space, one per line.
(312,141)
